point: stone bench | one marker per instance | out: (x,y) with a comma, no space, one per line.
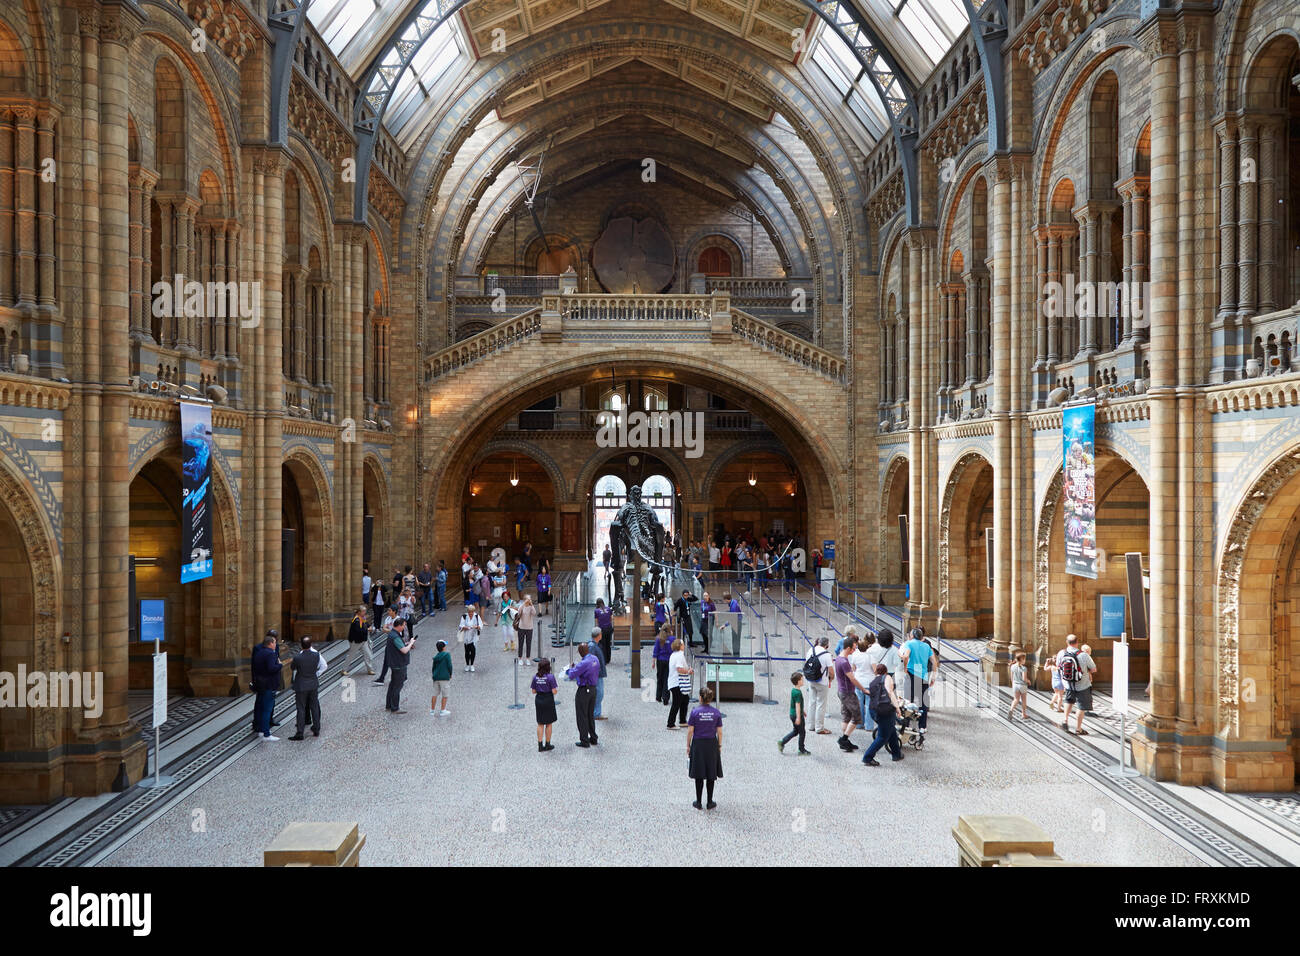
(315,844)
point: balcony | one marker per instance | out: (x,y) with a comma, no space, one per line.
(580,421)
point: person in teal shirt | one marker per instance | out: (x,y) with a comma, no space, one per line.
(921,661)
(442,669)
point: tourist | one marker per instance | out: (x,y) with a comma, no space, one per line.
(682,611)
(922,663)
(707,607)
(817,668)
(605,621)
(881,652)
(724,557)
(365,585)
(377,601)
(585,673)
(545,689)
(598,648)
(483,584)
(606,557)
(663,652)
(1076,667)
(543,588)
(847,683)
(307,667)
(1057,703)
(661,612)
(526,621)
(1019,687)
(864,669)
(798,723)
(715,556)
(884,706)
(506,621)
(265,670)
(425,579)
(386,626)
(521,572)
(359,641)
(406,605)
(410,581)
(680,677)
(704,746)
(442,668)
(440,588)
(470,626)
(466,571)
(396,657)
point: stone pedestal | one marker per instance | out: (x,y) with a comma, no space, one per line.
(315,844)
(986,840)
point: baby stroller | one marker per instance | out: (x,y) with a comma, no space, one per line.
(908,735)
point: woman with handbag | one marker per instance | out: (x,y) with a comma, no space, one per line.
(470,626)
(526,621)
(506,620)
(679,679)
(704,746)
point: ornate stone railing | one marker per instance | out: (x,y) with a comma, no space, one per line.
(635,308)
(485,343)
(742,287)
(771,339)
(1273,339)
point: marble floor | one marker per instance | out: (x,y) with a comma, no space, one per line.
(471,788)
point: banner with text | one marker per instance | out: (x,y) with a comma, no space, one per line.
(1079,490)
(196,488)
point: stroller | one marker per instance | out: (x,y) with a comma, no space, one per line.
(908,735)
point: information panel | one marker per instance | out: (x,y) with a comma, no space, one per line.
(1079,491)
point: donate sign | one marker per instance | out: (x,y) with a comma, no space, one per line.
(153,620)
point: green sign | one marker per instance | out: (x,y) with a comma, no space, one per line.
(731,673)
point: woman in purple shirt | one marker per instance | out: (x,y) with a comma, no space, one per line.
(545,689)
(704,746)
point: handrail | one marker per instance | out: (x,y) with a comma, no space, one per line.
(594,307)
(482,344)
(772,339)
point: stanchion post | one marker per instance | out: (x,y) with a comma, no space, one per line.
(516,705)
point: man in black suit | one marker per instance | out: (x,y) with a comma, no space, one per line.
(308,666)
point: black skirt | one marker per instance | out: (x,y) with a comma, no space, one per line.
(706,759)
(546,708)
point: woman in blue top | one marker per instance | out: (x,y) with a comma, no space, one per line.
(704,746)
(544,589)
(440,588)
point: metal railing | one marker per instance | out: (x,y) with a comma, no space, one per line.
(520,285)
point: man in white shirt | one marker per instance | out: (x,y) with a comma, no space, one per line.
(819,689)
(864,669)
(715,557)
(365,586)
(1078,692)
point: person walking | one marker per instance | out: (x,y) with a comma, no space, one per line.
(585,674)
(545,689)
(864,669)
(266,669)
(1077,667)
(704,747)
(396,657)
(798,721)
(663,652)
(543,589)
(506,621)
(470,626)
(885,706)
(1019,687)
(605,621)
(847,682)
(307,667)
(598,648)
(817,668)
(921,661)
(359,644)
(442,668)
(682,611)
(526,622)
(679,678)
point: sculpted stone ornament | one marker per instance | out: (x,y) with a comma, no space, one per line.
(636,529)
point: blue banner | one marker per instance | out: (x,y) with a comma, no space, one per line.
(196,490)
(1079,490)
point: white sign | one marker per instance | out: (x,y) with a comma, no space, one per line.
(1119,674)
(159,689)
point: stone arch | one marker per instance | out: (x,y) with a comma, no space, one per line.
(681,472)
(954,563)
(13,62)
(375,494)
(31,572)
(528,450)
(1257,541)
(895,498)
(741,265)
(735,451)
(318,515)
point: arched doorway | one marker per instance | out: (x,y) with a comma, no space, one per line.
(659,491)
(375,548)
(306,550)
(509,502)
(1067,602)
(755,493)
(200,616)
(894,558)
(1258,642)
(965,518)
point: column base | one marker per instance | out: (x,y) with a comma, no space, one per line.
(86,768)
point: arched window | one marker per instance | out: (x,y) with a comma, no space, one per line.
(715,262)
(657,493)
(653,400)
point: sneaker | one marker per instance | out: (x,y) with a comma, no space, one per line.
(780,746)
(376,682)
(582,743)
(473,668)
(269,737)
(369,671)
(433,713)
(444,713)
(872,763)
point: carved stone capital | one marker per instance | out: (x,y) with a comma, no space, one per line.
(119,23)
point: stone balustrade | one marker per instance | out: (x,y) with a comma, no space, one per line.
(636,308)
(747,287)
(772,339)
(485,343)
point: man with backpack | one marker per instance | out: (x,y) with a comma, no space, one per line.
(817,670)
(1076,668)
